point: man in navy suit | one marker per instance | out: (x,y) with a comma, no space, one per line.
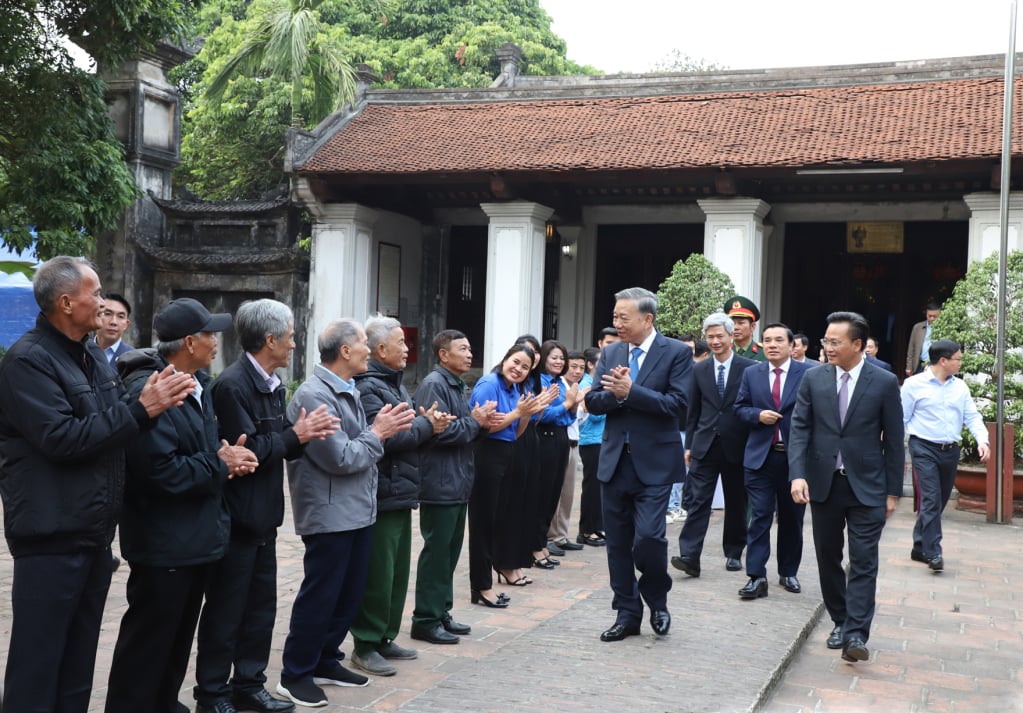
(114,322)
(766,398)
(642,384)
(715,440)
(871,352)
(846,457)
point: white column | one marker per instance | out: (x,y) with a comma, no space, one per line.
(339,276)
(515,257)
(985,231)
(733,239)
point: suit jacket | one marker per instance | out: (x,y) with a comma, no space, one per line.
(755,396)
(883,364)
(870,440)
(916,343)
(650,415)
(711,415)
(122,348)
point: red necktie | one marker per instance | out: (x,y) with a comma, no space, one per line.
(776,395)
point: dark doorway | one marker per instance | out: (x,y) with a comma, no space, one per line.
(467,284)
(638,256)
(889,289)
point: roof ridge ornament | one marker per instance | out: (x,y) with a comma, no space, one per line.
(509,55)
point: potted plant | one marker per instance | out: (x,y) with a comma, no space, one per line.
(969,317)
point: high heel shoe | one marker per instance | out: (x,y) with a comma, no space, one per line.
(522,581)
(478,598)
(544,563)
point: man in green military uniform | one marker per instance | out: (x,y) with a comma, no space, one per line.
(745,315)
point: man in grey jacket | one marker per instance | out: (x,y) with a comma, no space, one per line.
(334,503)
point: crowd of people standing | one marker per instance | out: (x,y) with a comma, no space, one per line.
(97,435)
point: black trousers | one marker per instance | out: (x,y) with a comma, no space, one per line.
(590,517)
(934,471)
(155,639)
(700,484)
(237,621)
(553,453)
(493,460)
(850,600)
(57,606)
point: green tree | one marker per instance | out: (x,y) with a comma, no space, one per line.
(970,317)
(694,289)
(234,148)
(679,61)
(62,171)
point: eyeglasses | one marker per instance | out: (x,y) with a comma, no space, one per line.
(958,358)
(833,343)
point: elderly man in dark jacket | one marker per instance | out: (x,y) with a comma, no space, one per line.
(236,626)
(379,618)
(446,474)
(63,429)
(175,519)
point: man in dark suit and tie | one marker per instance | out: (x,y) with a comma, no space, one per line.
(642,384)
(846,459)
(871,351)
(715,440)
(766,398)
(114,322)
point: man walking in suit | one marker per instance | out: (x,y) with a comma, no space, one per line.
(846,459)
(715,440)
(918,351)
(766,398)
(642,384)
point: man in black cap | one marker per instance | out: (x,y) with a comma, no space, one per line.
(175,521)
(745,316)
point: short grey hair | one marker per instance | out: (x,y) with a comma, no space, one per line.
(378,330)
(169,349)
(337,334)
(646,301)
(258,318)
(719,319)
(61,275)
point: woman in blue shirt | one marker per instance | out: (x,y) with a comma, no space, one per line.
(493,456)
(553,446)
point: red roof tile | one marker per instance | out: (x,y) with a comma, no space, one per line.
(879,124)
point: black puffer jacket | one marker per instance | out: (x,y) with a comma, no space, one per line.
(398,469)
(174,509)
(245,404)
(63,428)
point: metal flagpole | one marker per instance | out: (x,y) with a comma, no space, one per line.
(1003,220)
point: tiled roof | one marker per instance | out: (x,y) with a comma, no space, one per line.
(879,124)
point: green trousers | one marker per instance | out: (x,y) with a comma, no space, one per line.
(379,618)
(443,530)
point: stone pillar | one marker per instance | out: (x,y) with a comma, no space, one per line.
(340,269)
(515,272)
(733,239)
(985,231)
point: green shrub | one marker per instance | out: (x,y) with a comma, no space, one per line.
(694,290)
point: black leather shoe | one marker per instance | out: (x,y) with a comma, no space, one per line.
(436,635)
(619,631)
(790,584)
(260,701)
(220,707)
(835,638)
(453,627)
(554,549)
(569,545)
(855,650)
(687,565)
(936,563)
(592,540)
(755,588)
(660,621)
(733,564)
(917,556)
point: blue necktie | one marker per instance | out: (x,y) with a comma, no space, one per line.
(721,379)
(634,363)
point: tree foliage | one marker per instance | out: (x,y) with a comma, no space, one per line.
(679,61)
(694,289)
(235,149)
(62,171)
(970,318)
